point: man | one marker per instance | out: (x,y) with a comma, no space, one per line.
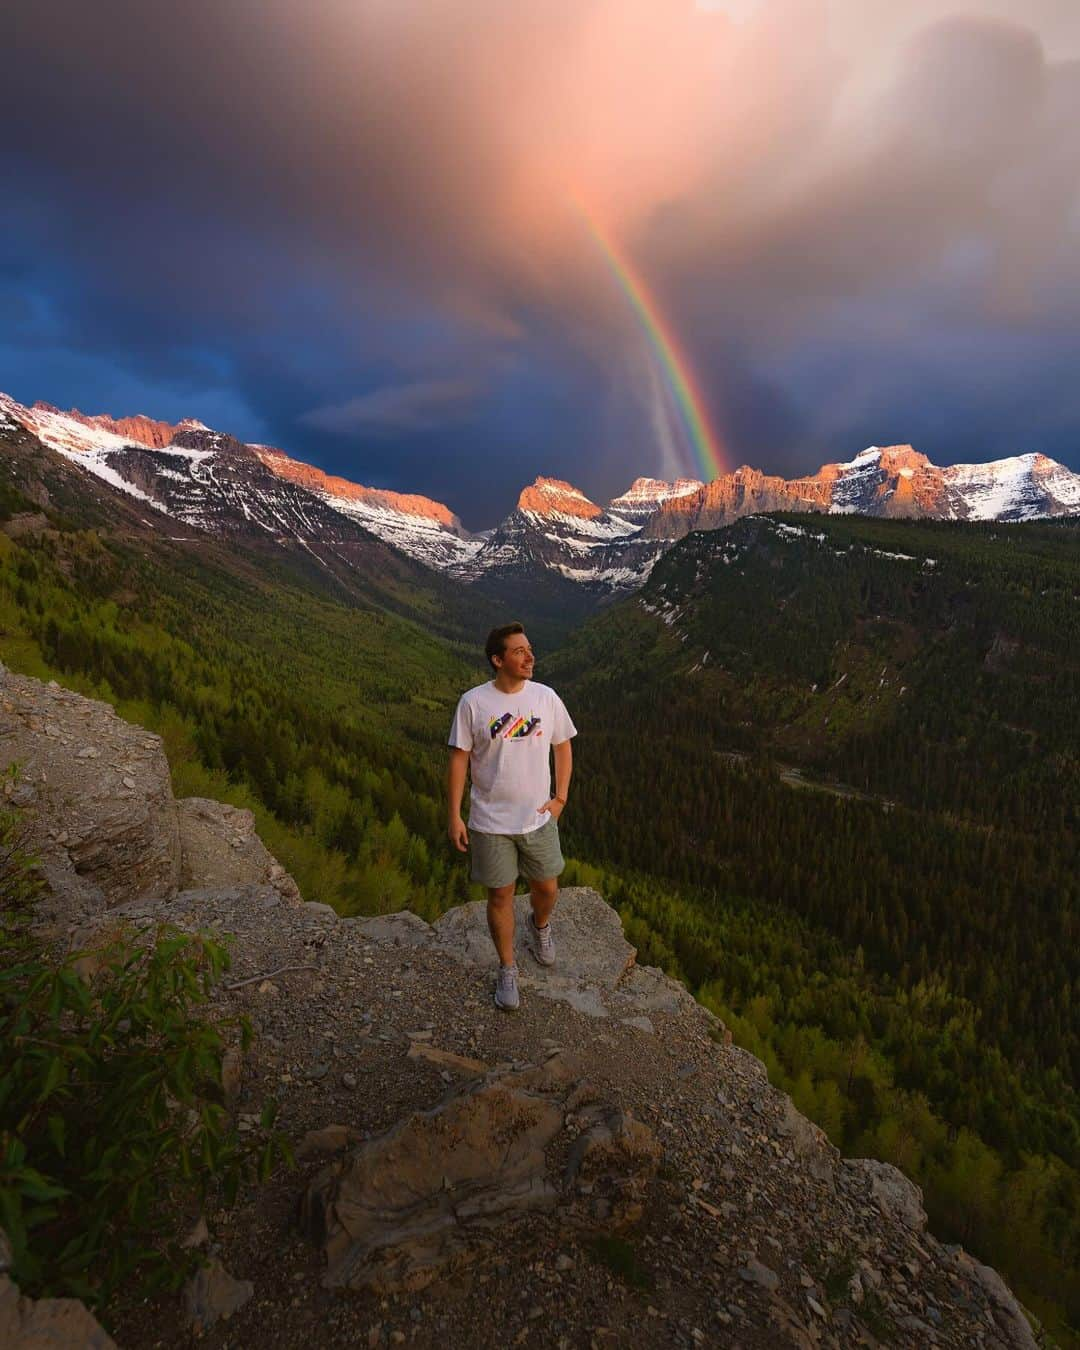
(501,733)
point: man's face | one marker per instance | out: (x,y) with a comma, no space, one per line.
(517,657)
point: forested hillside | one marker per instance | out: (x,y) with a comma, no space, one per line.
(901,957)
(324,716)
(850,750)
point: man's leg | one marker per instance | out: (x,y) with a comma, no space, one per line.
(543,894)
(500,917)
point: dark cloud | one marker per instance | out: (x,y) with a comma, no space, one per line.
(349,227)
(424,405)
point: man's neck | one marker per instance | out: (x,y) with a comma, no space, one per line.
(505,684)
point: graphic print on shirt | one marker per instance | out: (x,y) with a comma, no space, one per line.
(514,729)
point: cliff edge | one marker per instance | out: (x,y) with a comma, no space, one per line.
(602,1168)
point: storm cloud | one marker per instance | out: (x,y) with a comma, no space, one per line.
(354,228)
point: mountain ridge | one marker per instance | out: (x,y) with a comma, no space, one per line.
(607,550)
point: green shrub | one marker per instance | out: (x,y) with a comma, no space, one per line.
(112,1126)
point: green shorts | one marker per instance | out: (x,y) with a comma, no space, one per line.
(499,859)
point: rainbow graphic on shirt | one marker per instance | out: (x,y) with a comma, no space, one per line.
(512,728)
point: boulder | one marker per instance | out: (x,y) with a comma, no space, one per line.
(896,1196)
(47,1323)
(648,990)
(219,848)
(102,812)
(810,1143)
(213,1294)
(588,933)
(595,972)
(440,1188)
(1007,1312)
(403,929)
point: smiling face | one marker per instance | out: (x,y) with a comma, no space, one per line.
(516,662)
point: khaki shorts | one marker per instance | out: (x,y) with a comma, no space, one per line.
(499,859)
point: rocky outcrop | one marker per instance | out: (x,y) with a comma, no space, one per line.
(213,1295)
(47,1323)
(219,847)
(101,814)
(25,523)
(753,1231)
(595,974)
(896,1196)
(444,1186)
(139,430)
(510,1166)
(328,485)
(1005,1310)
(103,819)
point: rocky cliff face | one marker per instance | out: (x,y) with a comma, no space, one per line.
(647,496)
(100,812)
(74,430)
(464,1172)
(556,528)
(896,481)
(424,529)
(137,430)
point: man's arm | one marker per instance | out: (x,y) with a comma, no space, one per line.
(564,767)
(455,788)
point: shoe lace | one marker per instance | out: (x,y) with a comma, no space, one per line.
(507,978)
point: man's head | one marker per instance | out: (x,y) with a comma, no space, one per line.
(508,648)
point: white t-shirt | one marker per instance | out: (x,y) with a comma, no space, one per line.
(508,737)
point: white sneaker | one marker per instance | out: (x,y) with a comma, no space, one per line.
(543,944)
(506,989)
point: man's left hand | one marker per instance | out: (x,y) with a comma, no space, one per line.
(555,807)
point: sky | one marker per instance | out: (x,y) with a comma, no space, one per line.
(444,246)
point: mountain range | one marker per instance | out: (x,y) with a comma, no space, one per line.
(210,481)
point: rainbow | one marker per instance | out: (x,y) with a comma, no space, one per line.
(676,368)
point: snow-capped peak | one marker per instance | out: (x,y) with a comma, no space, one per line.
(645,496)
(553,496)
(216,483)
(1021,487)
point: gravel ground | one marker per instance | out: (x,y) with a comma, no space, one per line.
(752,1232)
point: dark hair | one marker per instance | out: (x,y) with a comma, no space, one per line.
(496,643)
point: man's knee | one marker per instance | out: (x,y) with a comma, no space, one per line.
(548,887)
(501,895)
